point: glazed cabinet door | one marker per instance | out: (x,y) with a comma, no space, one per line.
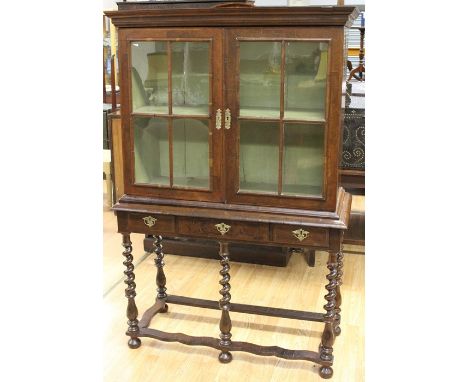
(172,105)
(283,90)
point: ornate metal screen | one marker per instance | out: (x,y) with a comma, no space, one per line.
(353,154)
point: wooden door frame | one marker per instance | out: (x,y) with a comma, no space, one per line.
(333,35)
(215,37)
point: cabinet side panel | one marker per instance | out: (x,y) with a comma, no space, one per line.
(117,160)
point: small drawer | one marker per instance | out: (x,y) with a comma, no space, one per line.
(226,229)
(296,235)
(150,223)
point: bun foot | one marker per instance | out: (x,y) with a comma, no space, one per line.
(134,343)
(225,357)
(326,372)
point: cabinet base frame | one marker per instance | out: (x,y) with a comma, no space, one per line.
(304,355)
(160,305)
(323,357)
(331,229)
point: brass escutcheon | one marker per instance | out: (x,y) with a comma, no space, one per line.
(300,234)
(218,119)
(227,119)
(222,228)
(149,221)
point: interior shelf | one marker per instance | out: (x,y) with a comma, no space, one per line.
(301,190)
(191,110)
(305,115)
(192,182)
(269,113)
(296,115)
(257,187)
(151,109)
(201,110)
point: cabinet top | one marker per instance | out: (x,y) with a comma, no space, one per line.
(237,16)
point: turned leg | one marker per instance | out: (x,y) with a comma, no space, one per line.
(132,311)
(160,276)
(328,335)
(225,324)
(338,292)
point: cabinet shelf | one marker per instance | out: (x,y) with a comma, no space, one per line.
(301,115)
(151,109)
(196,183)
(293,115)
(303,191)
(199,111)
(259,113)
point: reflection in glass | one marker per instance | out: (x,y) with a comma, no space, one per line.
(258,170)
(191,153)
(305,80)
(303,159)
(260,79)
(190,78)
(149,77)
(151,150)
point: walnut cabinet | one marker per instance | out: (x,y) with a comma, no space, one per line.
(231,120)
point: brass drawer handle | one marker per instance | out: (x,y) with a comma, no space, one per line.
(218,119)
(222,228)
(300,234)
(149,221)
(227,119)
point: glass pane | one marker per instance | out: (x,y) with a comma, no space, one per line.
(258,170)
(260,79)
(151,150)
(191,153)
(149,77)
(190,78)
(303,159)
(305,80)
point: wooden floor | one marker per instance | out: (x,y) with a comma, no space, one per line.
(296,286)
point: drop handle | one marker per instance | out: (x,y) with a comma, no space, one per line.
(227,119)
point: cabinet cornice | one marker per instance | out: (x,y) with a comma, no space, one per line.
(235,17)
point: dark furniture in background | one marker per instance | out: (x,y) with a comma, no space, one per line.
(208,249)
(198,82)
(105,127)
(353,150)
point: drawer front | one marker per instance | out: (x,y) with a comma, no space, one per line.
(300,236)
(226,229)
(150,223)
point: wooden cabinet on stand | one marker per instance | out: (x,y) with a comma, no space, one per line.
(231,132)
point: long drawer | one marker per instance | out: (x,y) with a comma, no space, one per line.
(226,229)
